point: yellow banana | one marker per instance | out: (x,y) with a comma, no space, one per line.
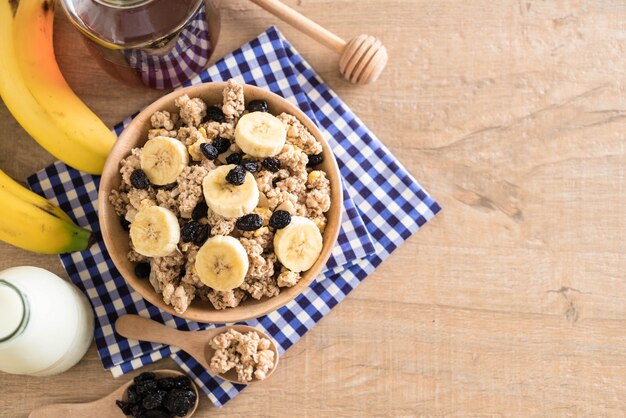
(20,192)
(29,221)
(38,96)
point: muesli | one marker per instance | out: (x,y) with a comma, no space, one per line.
(223,201)
(249,354)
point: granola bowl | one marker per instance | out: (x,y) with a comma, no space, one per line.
(299,181)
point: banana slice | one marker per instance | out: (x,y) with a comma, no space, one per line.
(226,199)
(155,232)
(163,159)
(299,244)
(222,263)
(260,134)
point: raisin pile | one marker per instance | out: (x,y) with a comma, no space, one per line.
(151,397)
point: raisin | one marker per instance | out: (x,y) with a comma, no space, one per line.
(144,377)
(280,219)
(142,270)
(214,114)
(177,403)
(200,211)
(202,235)
(157,413)
(209,151)
(236,176)
(222,144)
(153,400)
(315,159)
(136,410)
(182,382)
(189,394)
(124,406)
(234,158)
(183,271)
(271,164)
(145,387)
(125,224)
(250,222)
(166,383)
(139,180)
(132,395)
(189,231)
(258,106)
(251,166)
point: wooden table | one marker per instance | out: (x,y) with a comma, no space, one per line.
(510,302)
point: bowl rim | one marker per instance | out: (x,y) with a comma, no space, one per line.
(136,129)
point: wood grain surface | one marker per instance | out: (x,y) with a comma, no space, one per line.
(512,114)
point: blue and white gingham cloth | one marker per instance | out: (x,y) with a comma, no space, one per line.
(384,205)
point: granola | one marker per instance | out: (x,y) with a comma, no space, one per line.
(286,183)
(249,354)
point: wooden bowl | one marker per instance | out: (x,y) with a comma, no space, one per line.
(116,238)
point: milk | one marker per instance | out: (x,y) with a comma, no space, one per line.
(46,324)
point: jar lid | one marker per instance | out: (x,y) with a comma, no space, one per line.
(11,310)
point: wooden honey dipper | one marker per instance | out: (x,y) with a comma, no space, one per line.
(362,59)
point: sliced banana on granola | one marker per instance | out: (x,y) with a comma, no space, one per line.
(226,199)
(222,263)
(299,244)
(155,232)
(163,159)
(260,134)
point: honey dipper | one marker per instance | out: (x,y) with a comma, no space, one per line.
(362,59)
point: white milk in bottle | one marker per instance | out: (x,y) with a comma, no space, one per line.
(46,324)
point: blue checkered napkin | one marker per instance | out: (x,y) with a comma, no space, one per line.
(390,203)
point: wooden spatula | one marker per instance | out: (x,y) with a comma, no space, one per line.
(196,343)
(103,407)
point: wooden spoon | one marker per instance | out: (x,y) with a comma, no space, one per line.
(104,407)
(196,343)
(362,58)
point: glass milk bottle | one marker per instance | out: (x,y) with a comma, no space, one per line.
(46,324)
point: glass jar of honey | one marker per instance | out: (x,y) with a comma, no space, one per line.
(160,43)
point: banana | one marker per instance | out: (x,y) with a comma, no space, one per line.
(163,159)
(222,263)
(35,92)
(29,221)
(299,244)
(226,199)
(155,232)
(260,134)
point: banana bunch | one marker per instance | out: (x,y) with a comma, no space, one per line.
(29,221)
(35,92)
